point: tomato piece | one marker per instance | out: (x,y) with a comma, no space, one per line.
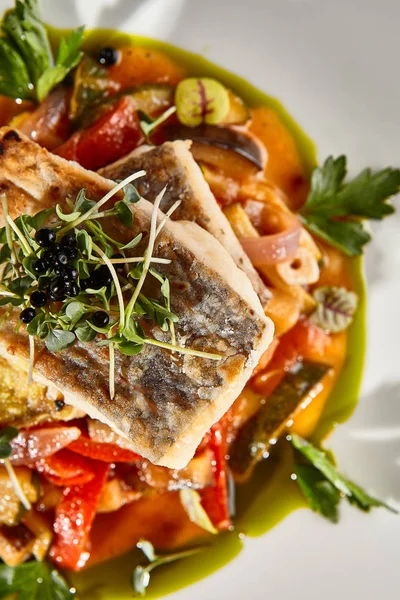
(74,518)
(108,453)
(113,135)
(215,499)
(66,468)
(33,444)
(48,124)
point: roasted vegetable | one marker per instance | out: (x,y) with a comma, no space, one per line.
(113,135)
(77,508)
(227,138)
(256,436)
(16,544)
(11,509)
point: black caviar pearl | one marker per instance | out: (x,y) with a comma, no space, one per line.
(27,315)
(71,252)
(57,289)
(49,258)
(70,273)
(59,404)
(100,318)
(73,290)
(118,266)
(39,266)
(61,259)
(38,299)
(101,277)
(68,240)
(45,237)
(108,56)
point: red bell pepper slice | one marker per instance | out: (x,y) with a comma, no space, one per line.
(304,341)
(215,499)
(65,468)
(109,453)
(74,518)
(113,135)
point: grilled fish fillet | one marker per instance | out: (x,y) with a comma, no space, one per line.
(172,164)
(164,402)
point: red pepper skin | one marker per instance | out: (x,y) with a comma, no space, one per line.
(73,521)
(113,135)
(109,453)
(65,468)
(215,498)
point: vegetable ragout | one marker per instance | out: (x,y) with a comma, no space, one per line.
(87,273)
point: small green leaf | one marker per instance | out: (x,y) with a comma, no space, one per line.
(131,195)
(41,218)
(129,348)
(67,59)
(15,81)
(100,293)
(134,242)
(321,494)
(66,217)
(6,435)
(124,213)
(5,254)
(85,333)
(84,242)
(82,203)
(335,308)
(148,550)
(33,581)
(75,311)
(201,100)
(148,125)
(58,339)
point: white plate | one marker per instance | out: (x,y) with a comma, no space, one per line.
(334,64)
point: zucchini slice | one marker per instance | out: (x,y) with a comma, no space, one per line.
(259,433)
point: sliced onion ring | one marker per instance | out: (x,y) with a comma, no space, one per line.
(272,249)
(276,247)
(31,445)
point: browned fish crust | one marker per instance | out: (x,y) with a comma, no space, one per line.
(164,402)
(172,164)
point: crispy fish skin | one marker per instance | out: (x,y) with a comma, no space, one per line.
(164,402)
(172,164)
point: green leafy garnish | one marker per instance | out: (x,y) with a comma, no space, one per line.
(6,435)
(335,308)
(322,496)
(27,68)
(67,59)
(141,574)
(334,209)
(148,124)
(33,580)
(318,479)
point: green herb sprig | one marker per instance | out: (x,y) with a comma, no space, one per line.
(28,69)
(95,294)
(33,580)
(148,124)
(322,484)
(334,209)
(141,574)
